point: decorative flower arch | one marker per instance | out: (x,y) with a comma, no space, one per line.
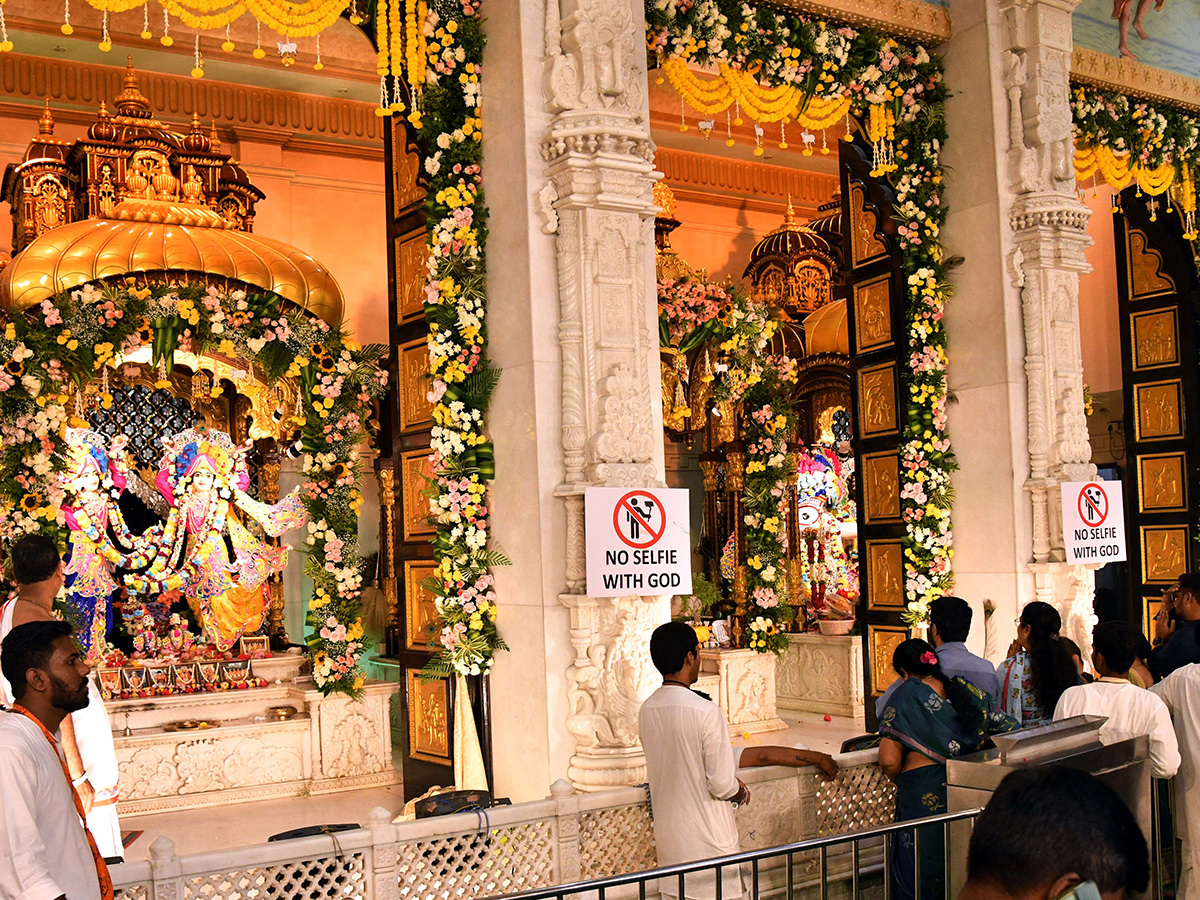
(774,66)
(58,353)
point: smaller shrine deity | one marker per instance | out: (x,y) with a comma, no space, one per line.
(822,516)
(203,477)
(100,540)
(145,637)
(179,640)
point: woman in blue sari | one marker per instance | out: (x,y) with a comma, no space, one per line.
(930,718)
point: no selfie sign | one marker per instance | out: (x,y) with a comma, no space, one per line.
(638,541)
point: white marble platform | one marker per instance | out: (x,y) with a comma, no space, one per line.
(332,744)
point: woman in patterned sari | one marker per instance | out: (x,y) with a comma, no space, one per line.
(930,718)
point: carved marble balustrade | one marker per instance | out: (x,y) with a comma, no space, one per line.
(566,838)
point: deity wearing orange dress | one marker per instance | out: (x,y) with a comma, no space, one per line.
(205,549)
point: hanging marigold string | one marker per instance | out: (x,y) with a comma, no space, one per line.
(716,94)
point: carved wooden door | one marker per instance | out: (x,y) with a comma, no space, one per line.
(426,723)
(1157,300)
(875,292)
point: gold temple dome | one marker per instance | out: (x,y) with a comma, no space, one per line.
(137,198)
(46,147)
(95,249)
(789,241)
(827,330)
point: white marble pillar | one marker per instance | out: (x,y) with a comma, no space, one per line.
(1018,425)
(597,201)
(569,170)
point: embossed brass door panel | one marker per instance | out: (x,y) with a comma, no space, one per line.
(875,295)
(1157,300)
(424,725)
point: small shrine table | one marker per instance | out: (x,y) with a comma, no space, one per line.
(823,674)
(742,682)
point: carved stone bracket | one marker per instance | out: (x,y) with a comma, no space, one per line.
(611,675)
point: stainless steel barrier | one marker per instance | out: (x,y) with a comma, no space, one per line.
(648,883)
(1124,766)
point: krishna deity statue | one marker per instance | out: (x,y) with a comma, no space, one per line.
(100,541)
(205,550)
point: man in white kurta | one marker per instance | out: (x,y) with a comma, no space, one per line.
(1181,692)
(1131,711)
(692,770)
(44,852)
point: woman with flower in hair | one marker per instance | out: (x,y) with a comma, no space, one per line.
(100,540)
(205,550)
(929,718)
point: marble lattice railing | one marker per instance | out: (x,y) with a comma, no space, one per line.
(567,838)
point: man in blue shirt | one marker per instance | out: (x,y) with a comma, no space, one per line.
(949,625)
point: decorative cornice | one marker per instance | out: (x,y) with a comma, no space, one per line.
(298,121)
(902,18)
(1137,79)
(714,175)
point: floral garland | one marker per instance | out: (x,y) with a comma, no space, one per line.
(446,122)
(748,374)
(75,336)
(1126,141)
(898,92)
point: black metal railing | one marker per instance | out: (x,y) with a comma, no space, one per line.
(756,861)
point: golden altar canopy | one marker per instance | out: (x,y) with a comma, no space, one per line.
(792,268)
(135,197)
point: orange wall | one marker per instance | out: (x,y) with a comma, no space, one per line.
(328,205)
(1099,324)
(719,237)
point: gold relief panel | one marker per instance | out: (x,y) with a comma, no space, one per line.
(1162,482)
(415,408)
(873,314)
(1146,276)
(881,486)
(883,640)
(406,170)
(428,718)
(410,276)
(1158,410)
(414,470)
(1150,609)
(885,574)
(420,610)
(1155,338)
(877,401)
(864,243)
(1164,552)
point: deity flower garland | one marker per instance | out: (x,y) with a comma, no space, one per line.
(69,340)
(1126,140)
(446,123)
(762,383)
(898,92)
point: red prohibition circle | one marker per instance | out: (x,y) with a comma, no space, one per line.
(1085,502)
(623,505)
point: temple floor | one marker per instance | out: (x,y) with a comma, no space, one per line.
(244,824)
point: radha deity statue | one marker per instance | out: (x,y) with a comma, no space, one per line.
(100,540)
(205,550)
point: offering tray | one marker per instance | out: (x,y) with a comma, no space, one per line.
(191,724)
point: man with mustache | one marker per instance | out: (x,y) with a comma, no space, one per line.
(46,851)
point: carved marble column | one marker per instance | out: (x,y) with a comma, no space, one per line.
(1049,226)
(599,166)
